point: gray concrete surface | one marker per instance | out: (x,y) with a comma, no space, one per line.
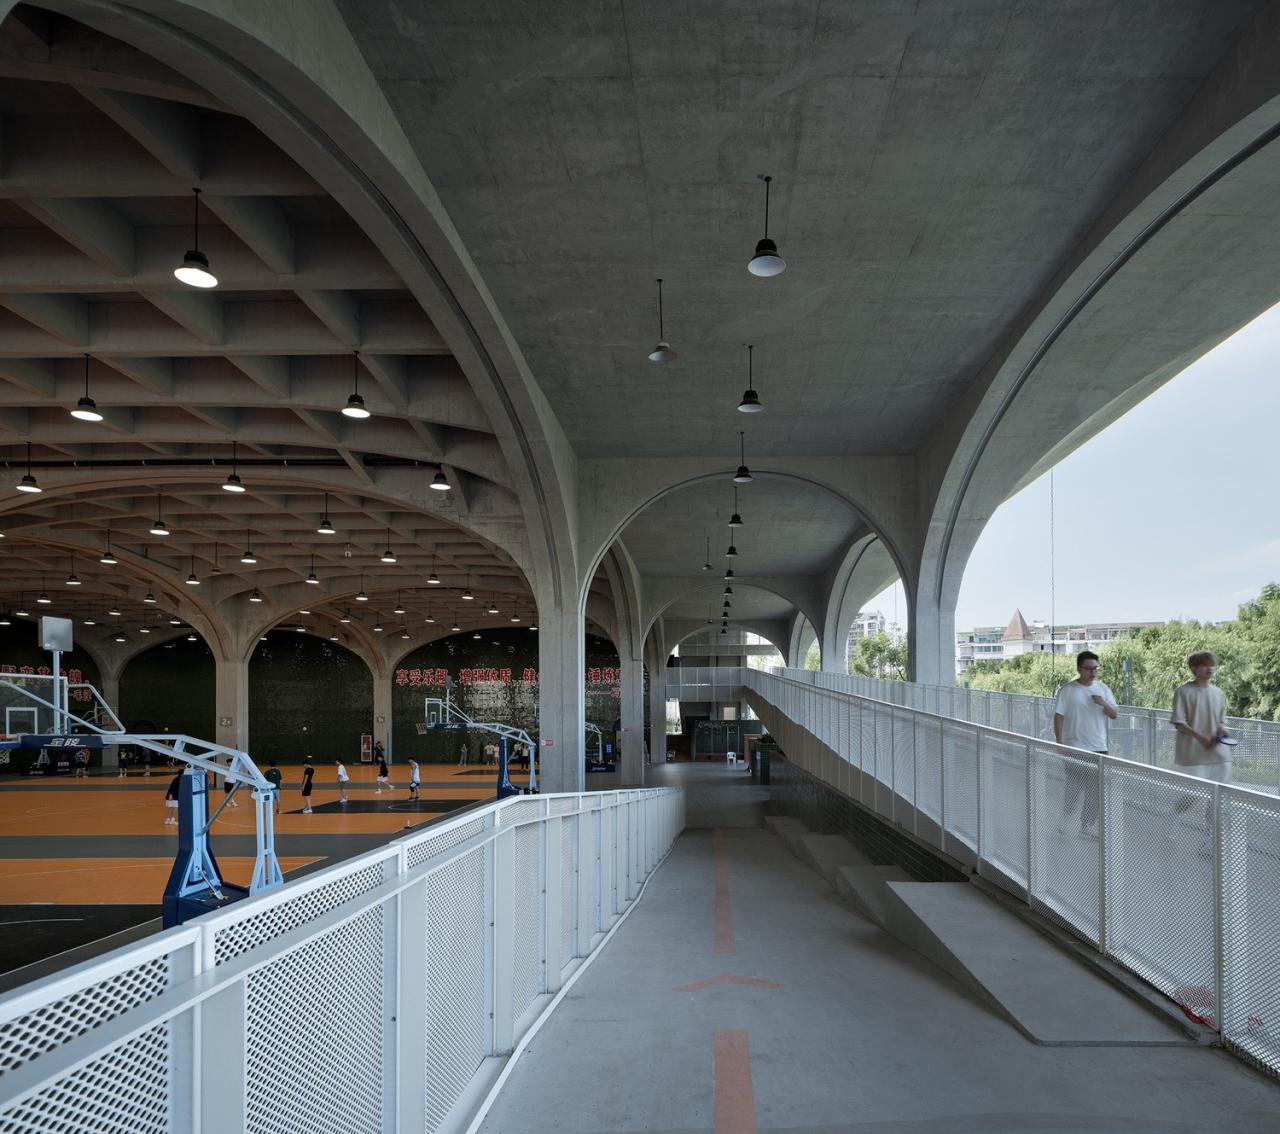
(865,888)
(863,1037)
(1045,993)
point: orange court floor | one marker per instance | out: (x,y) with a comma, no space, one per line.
(87,858)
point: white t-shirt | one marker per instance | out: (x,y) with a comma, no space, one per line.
(1084,725)
(342,774)
(1203,708)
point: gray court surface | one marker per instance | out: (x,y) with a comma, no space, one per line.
(865,1036)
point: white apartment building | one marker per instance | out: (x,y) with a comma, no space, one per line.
(996,643)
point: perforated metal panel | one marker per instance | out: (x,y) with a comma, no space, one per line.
(436,844)
(904,776)
(314,1035)
(527,981)
(1160,894)
(959,756)
(1066,863)
(457,1006)
(125,1091)
(1251,925)
(1004,805)
(565,806)
(48,1028)
(928,742)
(520,811)
(271,922)
(568,888)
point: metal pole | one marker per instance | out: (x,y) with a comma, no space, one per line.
(1103,934)
(57,691)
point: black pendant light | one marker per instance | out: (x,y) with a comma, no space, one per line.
(232,483)
(28,483)
(248,556)
(192,580)
(433,580)
(735,521)
(194,269)
(326,526)
(86,408)
(750,399)
(388,556)
(662,352)
(73,580)
(107,557)
(706,566)
(439,483)
(766,262)
(159,528)
(355,406)
(311,575)
(743,475)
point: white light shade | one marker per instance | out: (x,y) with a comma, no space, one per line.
(429,620)
(439,483)
(121,638)
(362,597)
(388,556)
(44,599)
(107,558)
(194,270)
(662,353)
(144,629)
(515,618)
(467,596)
(149,598)
(255,597)
(404,633)
(158,528)
(743,475)
(750,402)
(73,580)
(766,262)
(345,617)
(86,410)
(232,484)
(398,610)
(192,581)
(311,578)
(377,628)
(248,556)
(355,408)
(325,528)
(114,612)
(455,627)
(87,622)
(433,580)
(28,484)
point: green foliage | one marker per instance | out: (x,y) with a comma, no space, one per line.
(878,655)
(1248,651)
(813,659)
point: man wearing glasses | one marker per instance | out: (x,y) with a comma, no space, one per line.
(1080,718)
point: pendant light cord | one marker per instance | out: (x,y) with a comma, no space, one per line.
(1053,608)
(766,178)
(661,334)
(196,220)
(86,374)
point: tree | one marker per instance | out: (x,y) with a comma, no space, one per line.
(878,655)
(813,659)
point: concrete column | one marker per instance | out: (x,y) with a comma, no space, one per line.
(632,766)
(109,687)
(231,700)
(561,698)
(657,708)
(931,641)
(382,687)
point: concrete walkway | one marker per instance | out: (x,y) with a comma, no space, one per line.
(742,995)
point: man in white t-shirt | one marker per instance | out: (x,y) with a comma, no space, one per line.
(343,780)
(1080,717)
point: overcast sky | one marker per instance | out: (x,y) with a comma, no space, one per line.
(1172,512)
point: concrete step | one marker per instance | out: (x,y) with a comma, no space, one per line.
(1045,993)
(828,853)
(864,888)
(790,831)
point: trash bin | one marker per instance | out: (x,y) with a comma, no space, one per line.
(763,754)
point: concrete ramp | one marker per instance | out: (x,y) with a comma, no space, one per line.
(790,831)
(828,853)
(1041,990)
(865,889)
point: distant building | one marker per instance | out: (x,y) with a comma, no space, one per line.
(996,643)
(867,624)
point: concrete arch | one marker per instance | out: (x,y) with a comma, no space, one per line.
(851,482)
(664,597)
(772,632)
(802,635)
(864,572)
(1028,407)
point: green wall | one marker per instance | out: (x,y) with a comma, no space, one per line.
(169,688)
(307,697)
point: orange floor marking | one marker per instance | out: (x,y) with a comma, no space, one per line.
(724,912)
(107,881)
(735,1100)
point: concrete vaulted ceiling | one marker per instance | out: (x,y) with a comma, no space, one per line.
(102,146)
(947,180)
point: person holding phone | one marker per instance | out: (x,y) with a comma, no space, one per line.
(1080,717)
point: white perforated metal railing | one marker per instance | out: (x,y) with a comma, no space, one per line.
(381,994)
(1143,735)
(1180,883)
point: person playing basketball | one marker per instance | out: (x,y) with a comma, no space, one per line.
(308,774)
(413,780)
(383,776)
